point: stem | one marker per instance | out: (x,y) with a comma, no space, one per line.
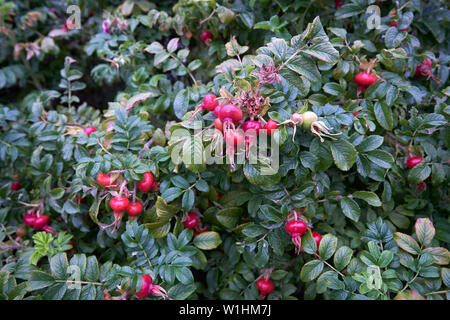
(101,145)
(36,82)
(437,292)
(335,270)
(81,282)
(209,17)
(181,63)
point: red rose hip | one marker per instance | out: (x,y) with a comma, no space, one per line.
(265,286)
(317,238)
(119,203)
(210,102)
(271,126)
(146,184)
(295,227)
(192,220)
(134,208)
(146,284)
(103,179)
(89,130)
(41,222)
(414,161)
(365,79)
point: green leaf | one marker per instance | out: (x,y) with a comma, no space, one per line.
(308,243)
(381,158)
(344,154)
(334,89)
(327,246)
(407,243)
(350,208)
(59,265)
(165,211)
(40,280)
(440,255)
(253,230)
(305,66)
(348,10)
(424,231)
(385,258)
(229,217)
(370,143)
(419,173)
(171,194)
(311,270)
(262,175)
(207,240)
(188,200)
(384,116)
(342,257)
(92,269)
(368,196)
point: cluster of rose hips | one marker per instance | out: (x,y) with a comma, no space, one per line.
(120,203)
(229,115)
(296,229)
(38,222)
(149,288)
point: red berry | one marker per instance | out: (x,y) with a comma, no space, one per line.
(230,112)
(236,138)
(15,185)
(210,102)
(253,126)
(218,124)
(89,130)
(206,36)
(365,79)
(103,179)
(192,221)
(146,184)
(134,208)
(355,114)
(317,237)
(145,289)
(338,3)
(29,218)
(265,286)
(217,110)
(270,126)
(295,227)
(119,203)
(414,161)
(41,222)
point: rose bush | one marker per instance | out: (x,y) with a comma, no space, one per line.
(133,160)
